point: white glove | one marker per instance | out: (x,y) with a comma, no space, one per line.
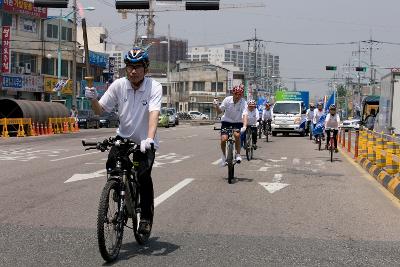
(146,144)
(215,102)
(257,124)
(91,93)
(242,130)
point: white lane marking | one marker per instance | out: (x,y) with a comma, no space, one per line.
(296,161)
(277,178)
(284,158)
(273,187)
(216,162)
(75,156)
(263,169)
(164,196)
(86,176)
(94,163)
(275,160)
(307,162)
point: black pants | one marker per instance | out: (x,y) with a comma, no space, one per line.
(328,133)
(253,130)
(146,192)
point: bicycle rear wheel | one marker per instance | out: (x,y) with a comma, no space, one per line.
(331,149)
(229,160)
(110,223)
(319,143)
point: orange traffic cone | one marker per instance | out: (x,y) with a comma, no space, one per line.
(50,129)
(41,129)
(65,127)
(32,129)
(37,129)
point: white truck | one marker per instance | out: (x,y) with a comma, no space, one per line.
(388,118)
(287,117)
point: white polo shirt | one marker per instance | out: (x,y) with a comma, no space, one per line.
(134,107)
(233,112)
(252,117)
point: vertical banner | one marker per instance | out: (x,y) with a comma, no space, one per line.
(111,66)
(230,80)
(5,49)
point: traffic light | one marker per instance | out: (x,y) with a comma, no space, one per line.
(132,4)
(51,3)
(330,68)
(202,5)
(363,69)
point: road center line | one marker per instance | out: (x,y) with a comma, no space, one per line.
(75,156)
(164,196)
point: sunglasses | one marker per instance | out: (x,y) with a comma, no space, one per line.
(134,67)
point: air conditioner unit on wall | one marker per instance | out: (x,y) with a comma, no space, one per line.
(192,99)
(27,68)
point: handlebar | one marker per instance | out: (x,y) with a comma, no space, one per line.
(110,142)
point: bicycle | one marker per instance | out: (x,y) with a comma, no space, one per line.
(229,151)
(331,146)
(249,143)
(267,129)
(318,138)
(310,129)
(120,198)
(259,129)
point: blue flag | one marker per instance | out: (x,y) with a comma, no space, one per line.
(303,123)
(319,128)
(330,101)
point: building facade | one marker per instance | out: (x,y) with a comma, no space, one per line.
(261,67)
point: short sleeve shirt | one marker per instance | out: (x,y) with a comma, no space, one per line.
(332,121)
(233,112)
(252,117)
(134,107)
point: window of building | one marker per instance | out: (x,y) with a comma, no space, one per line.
(196,58)
(164,90)
(199,86)
(27,61)
(48,66)
(204,57)
(52,31)
(27,25)
(64,68)
(14,62)
(7,19)
(220,87)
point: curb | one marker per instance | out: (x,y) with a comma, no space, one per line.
(390,182)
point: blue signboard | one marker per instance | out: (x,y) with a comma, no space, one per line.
(12,82)
(98,59)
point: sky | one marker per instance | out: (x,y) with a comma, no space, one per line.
(293,21)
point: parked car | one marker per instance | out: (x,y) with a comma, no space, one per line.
(351,124)
(197,115)
(163,119)
(109,119)
(176,117)
(87,119)
(172,116)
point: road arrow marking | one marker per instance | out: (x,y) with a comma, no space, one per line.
(80,155)
(277,178)
(86,176)
(273,187)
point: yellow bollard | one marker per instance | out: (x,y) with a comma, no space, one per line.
(21,131)
(371,148)
(5,129)
(363,144)
(380,145)
(392,167)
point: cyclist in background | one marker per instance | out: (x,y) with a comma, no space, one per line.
(253,120)
(266,116)
(317,115)
(332,122)
(235,116)
(310,117)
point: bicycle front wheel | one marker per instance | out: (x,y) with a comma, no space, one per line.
(248,145)
(110,223)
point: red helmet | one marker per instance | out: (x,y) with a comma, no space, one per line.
(251,103)
(238,89)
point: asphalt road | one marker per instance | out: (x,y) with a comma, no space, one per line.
(314,213)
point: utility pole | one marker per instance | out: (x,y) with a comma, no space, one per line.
(150,21)
(135,41)
(74,33)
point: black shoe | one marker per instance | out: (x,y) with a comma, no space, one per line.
(144,227)
(255,147)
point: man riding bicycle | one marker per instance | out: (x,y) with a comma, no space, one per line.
(310,117)
(139,103)
(235,116)
(266,116)
(332,122)
(252,120)
(318,114)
